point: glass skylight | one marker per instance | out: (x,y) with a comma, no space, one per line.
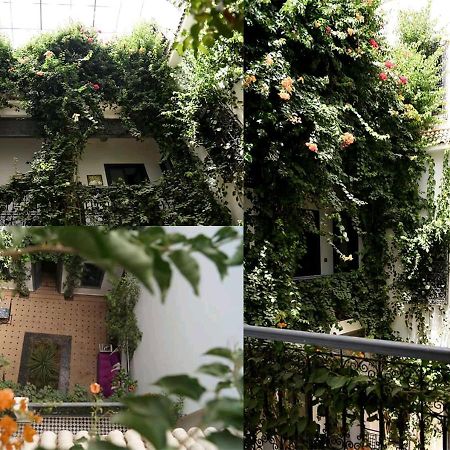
(20,20)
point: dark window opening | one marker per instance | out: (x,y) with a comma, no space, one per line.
(309,264)
(129,173)
(92,276)
(348,248)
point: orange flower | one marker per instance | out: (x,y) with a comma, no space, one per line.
(287,84)
(347,139)
(95,388)
(248,80)
(8,426)
(284,95)
(28,433)
(312,147)
(268,60)
(350,31)
(23,405)
(39,73)
(282,324)
(6,399)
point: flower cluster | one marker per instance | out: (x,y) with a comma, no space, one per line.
(8,424)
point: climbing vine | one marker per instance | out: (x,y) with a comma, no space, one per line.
(121,321)
(65,81)
(334,122)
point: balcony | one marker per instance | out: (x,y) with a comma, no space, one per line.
(117,205)
(336,392)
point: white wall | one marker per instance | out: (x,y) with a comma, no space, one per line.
(119,151)
(177,333)
(15,154)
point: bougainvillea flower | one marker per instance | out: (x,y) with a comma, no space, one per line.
(28,433)
(284,95)
(90,40)
(403,79)
(95,86)
(49,54)
(373,43)
(268,60)
(389,64)
(249,79)
(347,139)
(39,73)
(95,388)
(6,399)
(287,84)
(328,29)
(382,76)
(312,147)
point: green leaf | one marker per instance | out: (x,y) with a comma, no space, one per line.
(188,267)
(224,440)
(225,412)
(183,385)
(163,274)
(336,382)
(215,369)
(221,352)
(149,415)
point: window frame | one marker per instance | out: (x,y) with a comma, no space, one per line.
(108,167)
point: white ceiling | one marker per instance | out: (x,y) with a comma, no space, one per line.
(22,19)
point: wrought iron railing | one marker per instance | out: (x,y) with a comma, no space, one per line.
(75,417)
(84,205)
(307,391)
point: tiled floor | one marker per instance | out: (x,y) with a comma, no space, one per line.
(46,311)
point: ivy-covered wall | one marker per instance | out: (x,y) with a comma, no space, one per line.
(334,121)
(66,79)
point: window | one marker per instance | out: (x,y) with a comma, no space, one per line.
(349,247)
(309,264)
(129,173)
(92,276)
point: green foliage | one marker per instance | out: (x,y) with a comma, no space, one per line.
(151,415)
(74,267)
(147,253)
(121,321)
(123,385)
(329,126)
(6,59)
(419,57)
(80,78)
(300,379)
(204,108)
(212,20)
(417,29)
(43,364)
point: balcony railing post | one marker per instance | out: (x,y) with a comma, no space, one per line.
(362,420)
(381,404)
(422,424)
(445,428)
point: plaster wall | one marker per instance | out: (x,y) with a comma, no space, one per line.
(177,333)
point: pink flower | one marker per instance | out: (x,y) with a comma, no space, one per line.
(90,40)
(373,43)
(389,64)
(403,79)
(95,86)
(39,73)
(312,147)
(328,30)
(383,76)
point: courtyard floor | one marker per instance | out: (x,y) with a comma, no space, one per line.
(46,311)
